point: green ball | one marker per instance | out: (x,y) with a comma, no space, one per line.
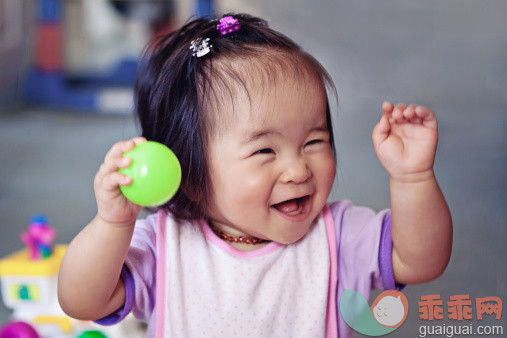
(155,173)
(92,334)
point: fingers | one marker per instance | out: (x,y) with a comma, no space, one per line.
(426,116)
(381,130)
(139,139)
(114,158)
(414,114)
(115,179)
(108,176)
(118,149)
(387,107)
(398,110)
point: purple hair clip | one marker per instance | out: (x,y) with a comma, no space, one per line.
(228,25)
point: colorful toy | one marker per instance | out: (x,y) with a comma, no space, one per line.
(39,237)
(18,330)
(91,334)
(29,287)
(155,173)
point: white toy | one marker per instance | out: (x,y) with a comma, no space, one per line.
(29,287)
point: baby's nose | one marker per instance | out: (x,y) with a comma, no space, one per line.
(296,171)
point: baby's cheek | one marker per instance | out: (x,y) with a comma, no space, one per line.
(328,172)
(251,188)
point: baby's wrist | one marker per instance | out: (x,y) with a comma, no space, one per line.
(103,222)
(419,177)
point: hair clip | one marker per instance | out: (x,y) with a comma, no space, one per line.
(228,25)
(200,47)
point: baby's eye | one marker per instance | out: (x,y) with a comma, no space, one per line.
(264,151)
(314,142)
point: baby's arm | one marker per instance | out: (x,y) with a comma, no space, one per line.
(89,283)
(405,141)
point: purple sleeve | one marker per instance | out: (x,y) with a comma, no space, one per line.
(364,246)
(385,256)
(138,274)
(122,312)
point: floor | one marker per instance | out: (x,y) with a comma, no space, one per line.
(447,55)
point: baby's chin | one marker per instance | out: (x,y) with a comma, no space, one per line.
(292,237)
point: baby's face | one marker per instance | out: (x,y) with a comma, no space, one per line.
(271,163)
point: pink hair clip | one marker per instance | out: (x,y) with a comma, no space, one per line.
(228,25)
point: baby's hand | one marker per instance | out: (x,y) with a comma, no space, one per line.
(405,140)
(112,206)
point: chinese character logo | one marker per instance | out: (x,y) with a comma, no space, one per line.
(459,307)
(431,307)
(386,314)
(484,306)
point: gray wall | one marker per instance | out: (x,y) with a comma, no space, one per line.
(13,33)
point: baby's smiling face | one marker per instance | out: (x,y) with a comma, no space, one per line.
(271,164)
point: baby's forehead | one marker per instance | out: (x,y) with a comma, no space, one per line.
(241,88)
(264,68)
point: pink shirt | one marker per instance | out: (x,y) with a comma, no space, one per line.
(186,282)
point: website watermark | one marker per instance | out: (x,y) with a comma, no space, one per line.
(460,309)
(389,311)
(386,314)
(464,330)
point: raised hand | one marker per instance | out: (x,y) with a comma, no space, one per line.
(405,140)
(112,206)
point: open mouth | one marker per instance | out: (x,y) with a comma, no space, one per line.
(293,206)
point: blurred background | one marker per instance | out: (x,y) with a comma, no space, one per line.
(67,70)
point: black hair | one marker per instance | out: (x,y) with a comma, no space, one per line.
(174,90)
